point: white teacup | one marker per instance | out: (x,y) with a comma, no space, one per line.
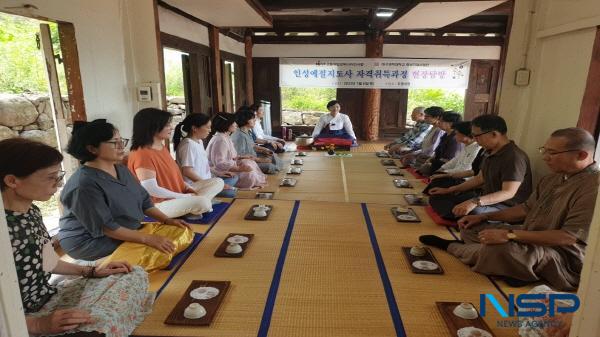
(466,311)
(260,212)
(417,251)
(194,311)
(233,248)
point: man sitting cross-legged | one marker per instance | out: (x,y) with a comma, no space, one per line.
(550,245)
(504,178)
(412,139)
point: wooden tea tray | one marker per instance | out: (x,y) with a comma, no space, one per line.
(250,214)
(211,305)
(398,183)
(221,252)
(411,200)
(394,172)
(427,257)
(411,211)
(454,323)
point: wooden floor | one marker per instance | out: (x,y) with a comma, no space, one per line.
(327,262)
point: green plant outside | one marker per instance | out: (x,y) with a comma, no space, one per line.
(306,99)
(21,65)
(447,99)
(315,99)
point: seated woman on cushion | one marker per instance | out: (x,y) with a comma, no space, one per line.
(103,202)
(334,124)
(464,165)
(151,162)
(224,158)
(244,144)
(272,143)
(191,155)
(103,301)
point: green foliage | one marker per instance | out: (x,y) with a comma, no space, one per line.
(307,99)
(174,82)
(447,99)
(21,65)
(173,73)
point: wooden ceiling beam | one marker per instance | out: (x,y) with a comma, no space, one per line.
(260,10)
(278,5)
(352,39)
(388,39)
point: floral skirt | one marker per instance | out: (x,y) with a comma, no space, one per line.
(117,303)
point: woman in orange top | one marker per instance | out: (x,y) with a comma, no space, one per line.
(151,162)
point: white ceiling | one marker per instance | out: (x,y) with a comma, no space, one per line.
(222,13)
(431,15)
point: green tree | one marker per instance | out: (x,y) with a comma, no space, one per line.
(447,99)
(22,66)
(306,99)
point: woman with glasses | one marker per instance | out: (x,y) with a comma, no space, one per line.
(151,162)
(103,202)
(244,144)
(97,301)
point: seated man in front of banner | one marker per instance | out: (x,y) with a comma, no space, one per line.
(334,126)
(551,243)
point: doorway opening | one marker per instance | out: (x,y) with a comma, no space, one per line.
(35,90)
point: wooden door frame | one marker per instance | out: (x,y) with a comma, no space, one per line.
(195,51)
(494,85)
(589,112)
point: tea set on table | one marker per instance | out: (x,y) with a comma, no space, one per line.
(197,310)
(234,246)
(260,211)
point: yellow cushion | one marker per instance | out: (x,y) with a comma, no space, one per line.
(148,257)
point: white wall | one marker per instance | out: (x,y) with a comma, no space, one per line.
(559,63)
(232,46)
(109,62)
(440,51)
(555,43)
(389,50)
(177,25)
(308,50)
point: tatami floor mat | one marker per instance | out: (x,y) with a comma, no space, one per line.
(416,294)
(241,311)
(330,284)
(331,281)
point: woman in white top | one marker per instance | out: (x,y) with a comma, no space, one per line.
(192,158)
(273,143)
(464,159)
(334,124)
(464,166)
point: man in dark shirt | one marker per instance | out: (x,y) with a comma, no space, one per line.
(505,176)
(550,245)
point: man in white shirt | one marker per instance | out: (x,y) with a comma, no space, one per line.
(334,124)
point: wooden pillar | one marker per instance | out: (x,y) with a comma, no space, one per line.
(215,69)
(68,46)
(372,97)
(249,79)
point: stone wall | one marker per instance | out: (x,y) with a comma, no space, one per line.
(29,116)
(176,106)
(293,117)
